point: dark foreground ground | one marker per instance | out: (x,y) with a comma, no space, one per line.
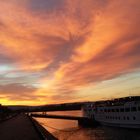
(18,128)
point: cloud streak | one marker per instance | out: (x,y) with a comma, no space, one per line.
(68,44)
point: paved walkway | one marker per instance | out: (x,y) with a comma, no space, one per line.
(18,128)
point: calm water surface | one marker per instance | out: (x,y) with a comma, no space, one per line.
(69,130)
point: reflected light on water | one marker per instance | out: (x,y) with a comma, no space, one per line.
(69,130)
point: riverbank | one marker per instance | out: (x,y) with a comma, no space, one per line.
(19,127)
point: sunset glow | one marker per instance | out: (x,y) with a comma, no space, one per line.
(55,51)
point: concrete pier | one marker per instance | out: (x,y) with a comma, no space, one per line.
(82,121)
(19,128)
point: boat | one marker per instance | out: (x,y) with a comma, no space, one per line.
(121,112)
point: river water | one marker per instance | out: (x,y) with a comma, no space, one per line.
(69,130)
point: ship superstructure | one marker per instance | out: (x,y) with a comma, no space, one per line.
(121,112)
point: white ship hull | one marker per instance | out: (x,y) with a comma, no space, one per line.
(124,114)
(135,126)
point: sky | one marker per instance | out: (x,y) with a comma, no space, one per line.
(56,51)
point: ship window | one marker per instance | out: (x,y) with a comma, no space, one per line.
(134,118)
(138,108)
(122,110)
(108,110)
(127,109)
(112,110)
(124,118)
(133,109)
(127,118)
(105,110)
(117,110)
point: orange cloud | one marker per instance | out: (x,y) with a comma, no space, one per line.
(115,22)
(111,49)
(73,43)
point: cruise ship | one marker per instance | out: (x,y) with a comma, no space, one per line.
(120,112)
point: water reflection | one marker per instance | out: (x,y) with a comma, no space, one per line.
(69,130)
